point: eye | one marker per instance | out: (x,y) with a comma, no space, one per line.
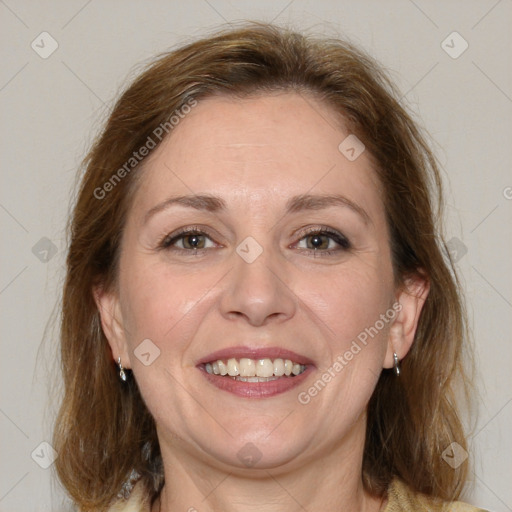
(323,240)
(187,240)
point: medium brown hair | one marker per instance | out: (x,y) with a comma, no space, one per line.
(104,432)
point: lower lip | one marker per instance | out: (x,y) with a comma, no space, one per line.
(256,389)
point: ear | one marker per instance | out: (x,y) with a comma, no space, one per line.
(109,309)
(410,302)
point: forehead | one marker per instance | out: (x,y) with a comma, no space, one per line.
(256,149)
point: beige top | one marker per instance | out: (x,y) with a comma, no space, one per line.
(403,499)
(400,499)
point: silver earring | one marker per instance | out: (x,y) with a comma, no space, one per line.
(122,374)
(396,364)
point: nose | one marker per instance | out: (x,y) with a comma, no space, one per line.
(257,292)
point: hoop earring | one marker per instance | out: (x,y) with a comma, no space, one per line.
(122,373)
(396,364)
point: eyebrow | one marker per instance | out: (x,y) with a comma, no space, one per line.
(320,202)
(198,202)
(295,204)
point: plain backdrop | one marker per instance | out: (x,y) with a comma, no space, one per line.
(53,104)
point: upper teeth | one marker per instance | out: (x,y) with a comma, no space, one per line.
(246,367)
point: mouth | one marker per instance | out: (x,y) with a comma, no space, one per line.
(255,373)
(255,370)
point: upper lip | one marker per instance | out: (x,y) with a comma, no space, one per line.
(255,353)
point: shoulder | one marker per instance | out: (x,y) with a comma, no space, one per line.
(401,498)
(138,501)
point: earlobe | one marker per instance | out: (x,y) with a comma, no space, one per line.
(412,297)
(112,324)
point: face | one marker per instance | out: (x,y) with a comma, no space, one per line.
(255,247)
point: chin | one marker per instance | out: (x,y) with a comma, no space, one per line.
(255,451)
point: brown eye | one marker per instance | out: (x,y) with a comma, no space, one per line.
(324,241)
(317,241)
(187,241)
(194,241)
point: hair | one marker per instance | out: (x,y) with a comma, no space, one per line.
(104,432)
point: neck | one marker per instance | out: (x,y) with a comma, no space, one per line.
(331,481)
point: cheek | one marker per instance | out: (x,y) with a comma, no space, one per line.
(346,302)
(166,308)
(349,305)
(162,304)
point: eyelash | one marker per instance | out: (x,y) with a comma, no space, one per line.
(339,238)
(166,243)
(168,240)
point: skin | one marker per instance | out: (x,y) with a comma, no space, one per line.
(255,154)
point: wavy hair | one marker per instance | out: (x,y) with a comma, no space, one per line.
(104,432)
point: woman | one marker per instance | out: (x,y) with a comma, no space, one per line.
(259,313)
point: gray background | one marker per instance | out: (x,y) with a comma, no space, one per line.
(52,107)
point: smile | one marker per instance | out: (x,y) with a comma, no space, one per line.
(254,370)
(255,373)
